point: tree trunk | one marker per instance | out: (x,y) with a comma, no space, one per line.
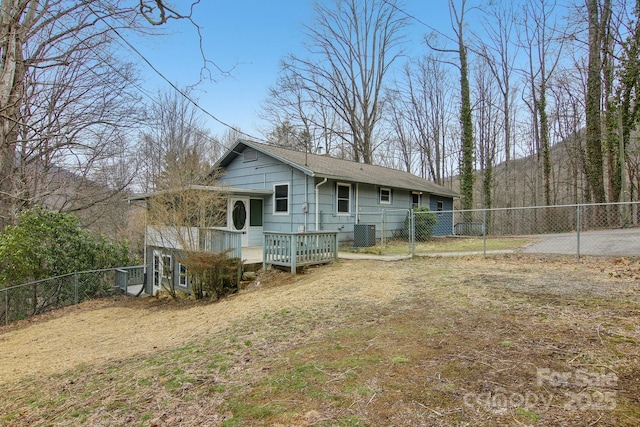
(595,175)
(16,17)
(467,176)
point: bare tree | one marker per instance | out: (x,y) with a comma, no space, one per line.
(543,43)
(176,146)
(419,110)
(569,121)
(467,154)
(49,52)
(629,102)
(352,45)
(401,140)
(500,51)
(620,47)
(291,105)
(290,112)
(488,126)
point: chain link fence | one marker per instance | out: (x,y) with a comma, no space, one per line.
(546,219)
(384,229)
(610,229)
(22,301)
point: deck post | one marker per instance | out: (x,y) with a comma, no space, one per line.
(297,249)
(293,252)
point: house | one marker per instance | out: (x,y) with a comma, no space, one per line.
(289,202)
(278,189)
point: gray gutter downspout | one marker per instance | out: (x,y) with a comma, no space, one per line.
(324,181)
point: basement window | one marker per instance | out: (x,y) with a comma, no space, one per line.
(182,277)
(167,269)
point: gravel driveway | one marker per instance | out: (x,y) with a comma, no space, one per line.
(625,242)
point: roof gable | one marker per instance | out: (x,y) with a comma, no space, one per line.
(342,170)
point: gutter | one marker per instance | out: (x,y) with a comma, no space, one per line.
(324,181)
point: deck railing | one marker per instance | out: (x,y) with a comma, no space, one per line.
(215,239)
(299,249)
(211,239)
(130,276)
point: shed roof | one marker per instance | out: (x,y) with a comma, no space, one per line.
(322,166)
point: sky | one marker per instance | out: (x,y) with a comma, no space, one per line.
(247,38)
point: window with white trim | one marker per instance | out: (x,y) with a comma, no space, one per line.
(182,276)
(157,268)
(281,199)
(343,198)
(384,196)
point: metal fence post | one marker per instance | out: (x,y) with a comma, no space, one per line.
(412,238)
(484,233)
(578,226)
(6,306)
(383,240)
(75,287)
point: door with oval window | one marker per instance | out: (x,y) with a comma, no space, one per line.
(239,218)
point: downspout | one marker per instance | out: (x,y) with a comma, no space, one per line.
(324,181)
(290,208)
(357,202)
(306,203)
(145,258)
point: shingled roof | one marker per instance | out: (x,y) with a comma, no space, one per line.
(341,170)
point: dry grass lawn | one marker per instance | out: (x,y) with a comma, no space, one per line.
(507,340)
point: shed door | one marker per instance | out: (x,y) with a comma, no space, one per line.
(239,218)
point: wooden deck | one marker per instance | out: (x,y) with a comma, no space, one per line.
(300,249)
(252,255)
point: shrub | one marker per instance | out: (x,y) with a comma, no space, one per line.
(424,220)
(212,275)
(45,244)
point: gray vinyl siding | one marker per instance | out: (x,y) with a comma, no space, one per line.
(444,226)
(369,209)
(175,255)
(265,171)
(262,174)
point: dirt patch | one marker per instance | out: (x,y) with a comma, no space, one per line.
(463,341)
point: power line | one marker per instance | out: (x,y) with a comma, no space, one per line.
(177,89)
(418,20)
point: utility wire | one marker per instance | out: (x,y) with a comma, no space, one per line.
(177,89)
(418,20)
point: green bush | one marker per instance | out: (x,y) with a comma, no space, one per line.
(46,243)
(425,220)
